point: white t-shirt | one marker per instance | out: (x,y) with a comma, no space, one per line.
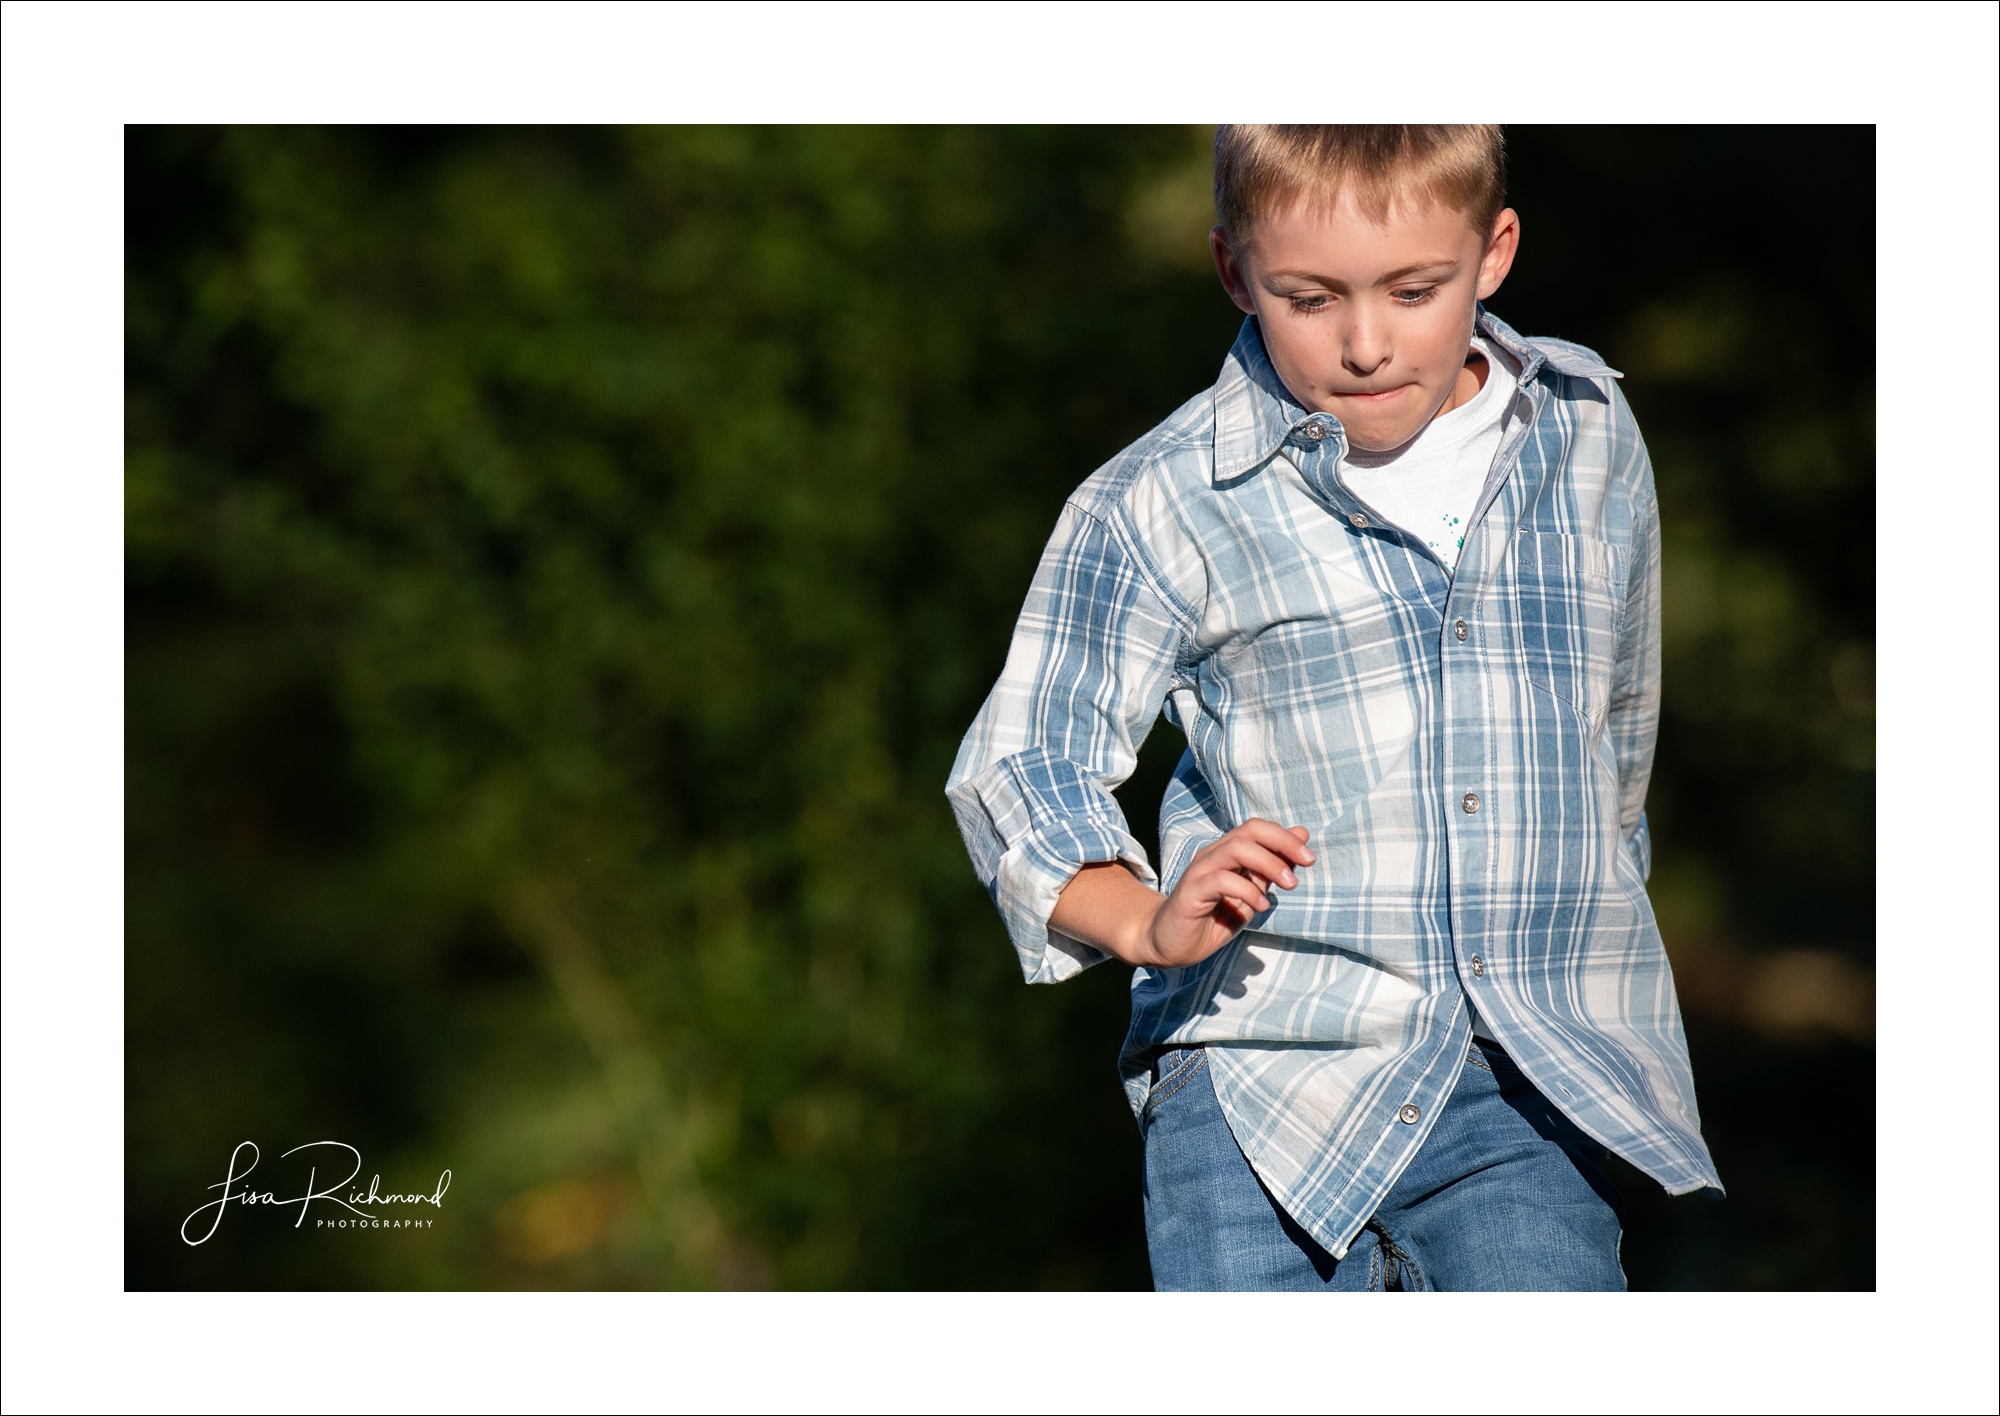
(1430,485)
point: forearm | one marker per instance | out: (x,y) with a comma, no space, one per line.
(1109,908)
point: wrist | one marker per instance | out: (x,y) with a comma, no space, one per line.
(1137,948)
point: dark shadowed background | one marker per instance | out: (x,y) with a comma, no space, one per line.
(561,564)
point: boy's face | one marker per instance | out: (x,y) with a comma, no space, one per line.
(1369,321)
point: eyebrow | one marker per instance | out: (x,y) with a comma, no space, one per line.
(1400,273)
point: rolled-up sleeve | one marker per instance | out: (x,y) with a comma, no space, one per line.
(1093,657)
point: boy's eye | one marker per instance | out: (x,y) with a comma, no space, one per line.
(1308,304)
(1415,297)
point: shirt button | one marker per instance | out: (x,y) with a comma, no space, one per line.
(1409,1115)
(1315,431)
(1470,802)
(1478,967)
(1358,519)
(1459,631)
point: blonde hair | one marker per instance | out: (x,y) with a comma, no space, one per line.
(1261,168)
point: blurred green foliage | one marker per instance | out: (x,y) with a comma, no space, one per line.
(561,564)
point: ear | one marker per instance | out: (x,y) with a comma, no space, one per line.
(1500,248)
(1230,269)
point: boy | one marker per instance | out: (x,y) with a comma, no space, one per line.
(1396,576)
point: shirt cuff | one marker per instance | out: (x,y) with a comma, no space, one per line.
(1030,822)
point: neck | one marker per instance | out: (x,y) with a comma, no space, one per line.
(1471,379)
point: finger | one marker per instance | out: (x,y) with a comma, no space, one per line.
(1232,913)
(1254,859)
(1228,884)
(1252,856)
(1274,838)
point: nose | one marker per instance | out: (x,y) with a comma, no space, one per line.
(1365,342)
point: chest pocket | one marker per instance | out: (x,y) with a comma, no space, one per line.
(1569,607)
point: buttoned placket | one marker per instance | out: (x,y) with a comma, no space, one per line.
(1465,759)
(1322,441)
(1319,442)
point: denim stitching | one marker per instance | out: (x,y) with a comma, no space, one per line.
(1413,1272)
(1177,1079)
(1406,1266)
(1191,1057)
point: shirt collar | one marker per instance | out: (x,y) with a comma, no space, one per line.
(1255,414)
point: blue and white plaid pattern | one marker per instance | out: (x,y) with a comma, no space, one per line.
(1470,753)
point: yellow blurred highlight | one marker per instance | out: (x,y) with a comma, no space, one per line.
(1167,219)
(1799,993)
(563,1219)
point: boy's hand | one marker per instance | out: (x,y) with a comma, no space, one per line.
(1224,886)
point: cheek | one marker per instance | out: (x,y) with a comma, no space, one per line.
(1311,347)
(1439,340)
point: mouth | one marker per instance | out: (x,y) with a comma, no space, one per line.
(1382,397)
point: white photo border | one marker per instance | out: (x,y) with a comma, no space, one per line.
(74,75)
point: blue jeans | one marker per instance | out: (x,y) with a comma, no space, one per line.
(1505,1195)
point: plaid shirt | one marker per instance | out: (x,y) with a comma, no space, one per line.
(1470,752)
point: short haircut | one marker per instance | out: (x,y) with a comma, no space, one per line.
(1262,168)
